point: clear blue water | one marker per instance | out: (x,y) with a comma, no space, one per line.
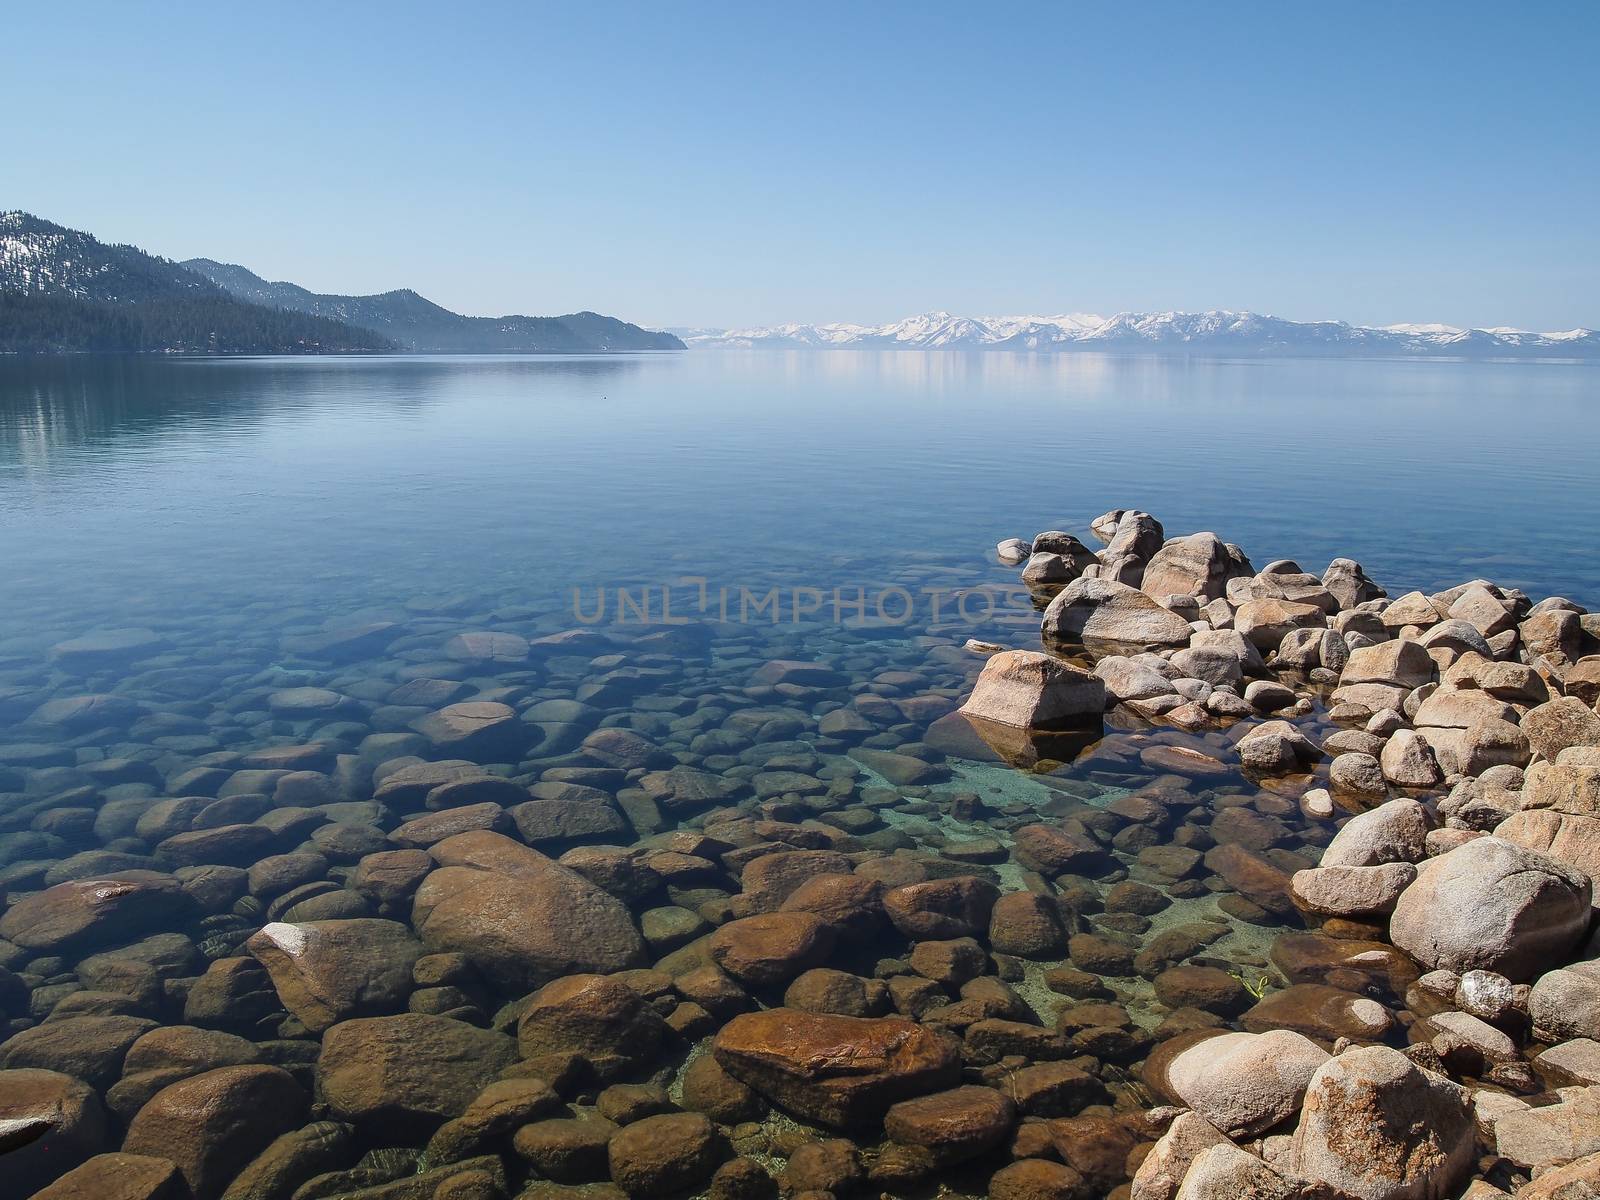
(236,508)
(131,488)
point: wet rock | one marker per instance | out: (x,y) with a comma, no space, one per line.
(1319,1011)
(213,1124)
(1209,989)
(1036,1179)
(851,903)
(403,1075)
(1378,1127)
(1490,905)
(484,730)
(1105,610)
(771,948)
(601,1019)
(661,1155)
(837,1071)
(105,649)
(1253,877)
(485,648)
(90,1048)
(74,1120)
(95,912)
(329,971)
(236,845)
(902,770)
(825,990)
(709,1089)
(520,917)
(1052,850)
(956,1124)
(1246,1083)
(292,1160)
(942,908)
(567,1150)
(1028,925)
(119,1177)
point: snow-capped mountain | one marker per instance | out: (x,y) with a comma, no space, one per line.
(1169,332)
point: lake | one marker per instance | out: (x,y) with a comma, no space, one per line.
(662,616)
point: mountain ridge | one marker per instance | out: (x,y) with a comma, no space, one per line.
(65,291)
(418,324)
(1169,332)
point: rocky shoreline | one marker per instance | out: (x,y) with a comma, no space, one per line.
(1248,883)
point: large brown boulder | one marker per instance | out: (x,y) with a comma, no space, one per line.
(521,918)
(842,1072)
(942,908)
(403,1075)
(956,1124)
(119,1177)
(74,1120)
(1493,906)
(213,1124)
(329,971)
(90,1048)
(602,1019)
(95,912)
(1378,1127)
(1029,690)
(665,1154)
(770,949)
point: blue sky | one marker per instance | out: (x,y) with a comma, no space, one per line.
(734,164)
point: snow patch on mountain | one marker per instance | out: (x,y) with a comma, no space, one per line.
(1219,330)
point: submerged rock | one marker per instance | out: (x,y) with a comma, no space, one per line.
(520,917)
(843,1072)
(329,971)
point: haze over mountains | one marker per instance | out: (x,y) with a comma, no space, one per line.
(1167,332)
(65,291)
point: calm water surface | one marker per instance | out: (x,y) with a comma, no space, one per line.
(136,489)
(243,516)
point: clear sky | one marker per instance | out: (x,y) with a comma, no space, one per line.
(727,164)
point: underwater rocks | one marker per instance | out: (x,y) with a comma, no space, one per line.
(519,917)
(842,1072)
(541,912)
